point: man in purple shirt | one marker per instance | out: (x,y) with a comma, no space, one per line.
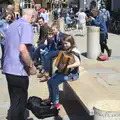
(18,64)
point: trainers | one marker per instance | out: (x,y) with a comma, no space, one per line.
(58,106)
(109,53)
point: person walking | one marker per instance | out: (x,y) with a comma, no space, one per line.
(81,21)
(18,64)
(98,20)
(106,15)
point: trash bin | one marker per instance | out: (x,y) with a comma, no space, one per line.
(93,44)
(107,110)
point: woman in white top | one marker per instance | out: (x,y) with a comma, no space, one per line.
(82,21)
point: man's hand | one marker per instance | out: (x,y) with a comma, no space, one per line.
(32,70)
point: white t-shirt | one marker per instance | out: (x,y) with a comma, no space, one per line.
(81,17)
(45,16)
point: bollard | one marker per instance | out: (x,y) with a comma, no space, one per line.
(107,110)
(93,42)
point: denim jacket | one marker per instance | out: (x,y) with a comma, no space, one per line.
(99,21)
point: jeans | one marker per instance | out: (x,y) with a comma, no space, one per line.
(53,85)
(103,43)
(17,88)
(48,60)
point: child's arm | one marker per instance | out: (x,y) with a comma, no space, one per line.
(75,64)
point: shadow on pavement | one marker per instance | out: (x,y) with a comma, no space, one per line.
(74,109)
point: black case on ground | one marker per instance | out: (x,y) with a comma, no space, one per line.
(41,109)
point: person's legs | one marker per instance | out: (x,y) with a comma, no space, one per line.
(54,82)
(36,54)
(102,39)
(84,29)
(50,89)
(103,44)
(102,47)
(48,60)
(107,49)
(17,87)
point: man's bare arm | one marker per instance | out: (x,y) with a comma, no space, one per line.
(25,55)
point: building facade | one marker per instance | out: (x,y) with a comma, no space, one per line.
(115,5)
(85,3)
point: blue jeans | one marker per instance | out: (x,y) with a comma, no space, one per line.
(53,85)
(48,60)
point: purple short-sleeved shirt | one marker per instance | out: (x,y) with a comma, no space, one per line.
(19,32)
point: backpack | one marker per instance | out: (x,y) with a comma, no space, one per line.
(41,109)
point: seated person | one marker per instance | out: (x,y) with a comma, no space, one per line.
(59,76)
(42,37)
(56,45)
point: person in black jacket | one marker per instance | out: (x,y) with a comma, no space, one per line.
(43,30)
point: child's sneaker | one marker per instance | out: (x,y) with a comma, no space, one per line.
(58,106)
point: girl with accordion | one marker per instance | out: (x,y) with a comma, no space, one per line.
(67,69)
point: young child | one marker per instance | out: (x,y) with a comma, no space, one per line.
(59,77)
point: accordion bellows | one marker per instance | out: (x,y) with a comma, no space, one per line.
(63,59)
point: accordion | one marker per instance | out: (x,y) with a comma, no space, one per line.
(63,59)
